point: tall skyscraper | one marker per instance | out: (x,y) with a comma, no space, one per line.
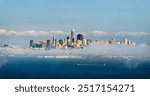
(53,40)
(55,44)
(72,33)
(48,44)
(125,41)
(32,43)
(74,41)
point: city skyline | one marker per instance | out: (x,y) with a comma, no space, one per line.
(70,41)
(74,41)
(20,38)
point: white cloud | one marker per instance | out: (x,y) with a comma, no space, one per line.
(102,33)
(132,33)
(31,33)
(59,32)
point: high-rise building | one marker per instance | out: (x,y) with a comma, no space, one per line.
(37,45)
(125,41)
(32,43)
(84,42)
(80,37)
(132,43)
(53,40)
(129,42)
(74,41)
(42,44)
(88,42)
(64,42)
(68,41)
(61,42)
(48,43)
(58,46)
(79,42)
(68,38)
(55,44)
(72,33)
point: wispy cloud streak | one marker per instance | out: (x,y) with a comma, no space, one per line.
(31,33)
(59,32)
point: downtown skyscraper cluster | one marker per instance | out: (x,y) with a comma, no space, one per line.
(71,41)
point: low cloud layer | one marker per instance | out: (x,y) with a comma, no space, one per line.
(131,56)
(59,32)
(30,33)
(95,49)
(102,33)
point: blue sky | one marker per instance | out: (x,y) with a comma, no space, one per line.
(84,15)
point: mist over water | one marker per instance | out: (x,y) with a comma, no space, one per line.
(98,61)
(132,55)
(105,50)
